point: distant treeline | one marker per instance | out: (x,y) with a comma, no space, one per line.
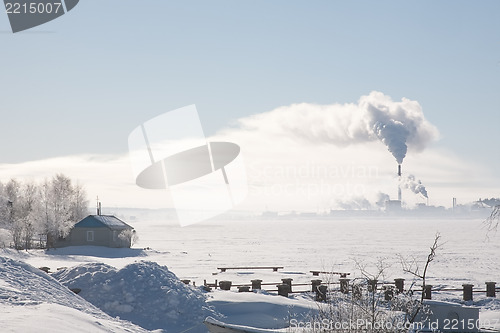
(491,202)
(41,211)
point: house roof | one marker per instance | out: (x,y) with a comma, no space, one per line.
(103,221)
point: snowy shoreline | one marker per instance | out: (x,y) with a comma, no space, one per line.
(195,252)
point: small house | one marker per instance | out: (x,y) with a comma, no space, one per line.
(100,230)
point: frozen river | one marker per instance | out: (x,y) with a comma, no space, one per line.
(466,254)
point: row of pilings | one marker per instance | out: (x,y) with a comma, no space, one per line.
(398,286)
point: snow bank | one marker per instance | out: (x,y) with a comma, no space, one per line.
(29,296)
(58,319)
(144,292)
(261,310)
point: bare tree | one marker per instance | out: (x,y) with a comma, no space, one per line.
(371,303)
(413,267)
(491,223)
(365,307)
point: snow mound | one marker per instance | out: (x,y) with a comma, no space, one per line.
(26,291)
(144,293)
(22,284)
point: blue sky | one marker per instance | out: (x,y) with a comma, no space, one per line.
(80,84)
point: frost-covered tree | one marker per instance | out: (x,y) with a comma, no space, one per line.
(79,204)
(129,237)
(29,212)
(63,205)
(50,208)
(14,212)
(62,194)
(5,204)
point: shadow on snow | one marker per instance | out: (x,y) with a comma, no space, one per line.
(97,251)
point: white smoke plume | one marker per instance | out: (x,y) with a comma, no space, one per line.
(357,203)
(399,125)
(382,198)
(414,185)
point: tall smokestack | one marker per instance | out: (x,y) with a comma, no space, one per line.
(399,183)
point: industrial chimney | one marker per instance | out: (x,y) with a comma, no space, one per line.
(399,183)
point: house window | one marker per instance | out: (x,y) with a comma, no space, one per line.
(90,236)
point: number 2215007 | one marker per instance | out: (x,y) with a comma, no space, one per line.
(32,8)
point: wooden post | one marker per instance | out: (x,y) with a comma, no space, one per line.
(256,284)
(490,289)
(225,285)
(372,285)
(400,285)
(283,289)
(288,282)
(468,291)
(344,285)
(206,285)
(427,291)
(389,293)
(321,293)
(315,284)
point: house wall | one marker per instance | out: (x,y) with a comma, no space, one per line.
(78,236)
(102,237)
